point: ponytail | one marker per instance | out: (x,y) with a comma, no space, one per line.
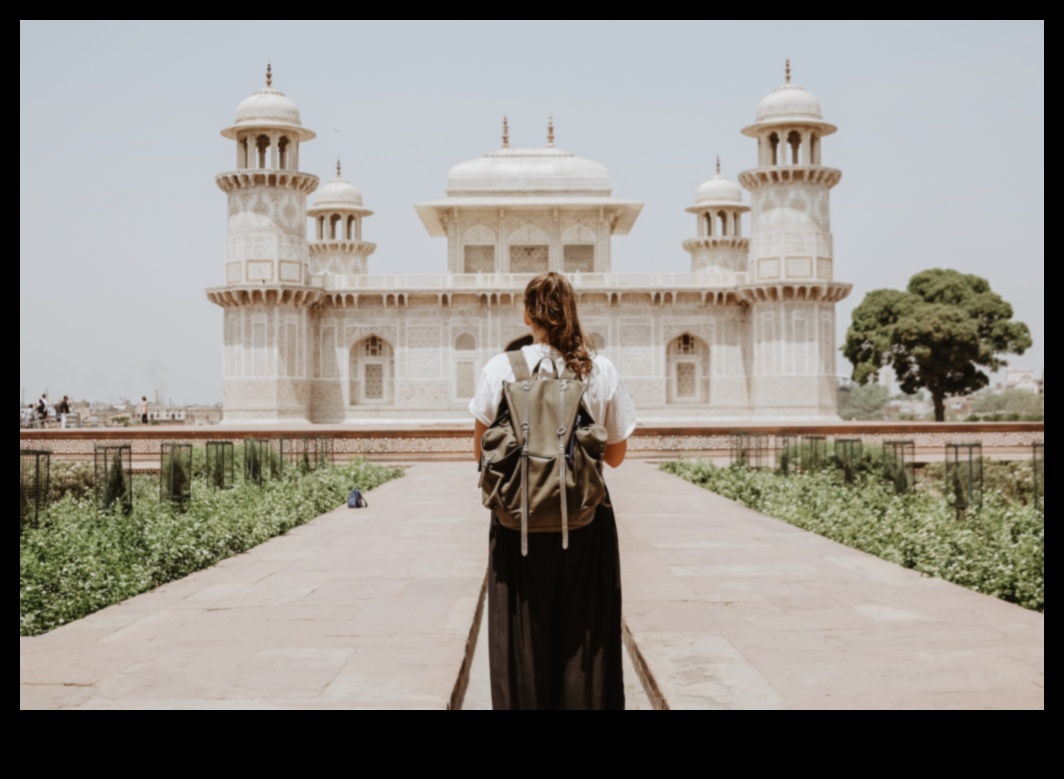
(551,305)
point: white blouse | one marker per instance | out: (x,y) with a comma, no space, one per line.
(606,397)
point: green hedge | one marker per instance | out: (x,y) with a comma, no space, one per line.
(999,550)
(78,560)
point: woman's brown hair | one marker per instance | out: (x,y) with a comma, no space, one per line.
(551,305)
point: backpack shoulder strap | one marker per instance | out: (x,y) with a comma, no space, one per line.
(517,362)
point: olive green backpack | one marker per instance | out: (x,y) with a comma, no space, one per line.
(541,467)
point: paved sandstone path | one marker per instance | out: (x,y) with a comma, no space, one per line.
(377,609)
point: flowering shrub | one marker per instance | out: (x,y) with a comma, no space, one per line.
(78,560)
(999,550)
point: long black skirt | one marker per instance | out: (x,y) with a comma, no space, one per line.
(554,619)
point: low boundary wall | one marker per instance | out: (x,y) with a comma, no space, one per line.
(1009,440)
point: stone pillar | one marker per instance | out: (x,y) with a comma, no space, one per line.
(453,260)
(502,259)
(602,260)
(555,260)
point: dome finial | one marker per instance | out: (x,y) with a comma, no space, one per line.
(338,173)
(718,164)
(505,131)
(550,131)
(788,70)
(269,75)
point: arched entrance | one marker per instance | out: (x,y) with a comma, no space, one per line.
(688,370)
(372,372)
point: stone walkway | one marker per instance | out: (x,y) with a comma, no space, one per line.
(733,610)
(376,609)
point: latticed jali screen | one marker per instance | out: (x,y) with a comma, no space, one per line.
(579,258)
(529,259)
(374,382)
(465,379)
(686,380)
(479,259)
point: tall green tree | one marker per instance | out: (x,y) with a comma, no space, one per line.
(943,334)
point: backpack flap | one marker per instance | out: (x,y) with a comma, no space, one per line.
(541,469)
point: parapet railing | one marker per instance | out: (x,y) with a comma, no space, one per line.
(518,281)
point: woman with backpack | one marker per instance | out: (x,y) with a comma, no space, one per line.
(554,613)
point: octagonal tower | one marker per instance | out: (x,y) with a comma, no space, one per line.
(792,289)
(720,252)
(266,297)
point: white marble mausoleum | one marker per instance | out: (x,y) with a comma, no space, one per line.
(311,335)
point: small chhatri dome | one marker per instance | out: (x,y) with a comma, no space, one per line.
(268,108)
(338,194)
(789,104)
(719,191)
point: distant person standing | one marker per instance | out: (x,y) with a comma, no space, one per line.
(144,411)
(42,410)
(28,416)
(63,411)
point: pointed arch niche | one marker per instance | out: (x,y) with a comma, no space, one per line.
(465,366)
(688,370)
(372,372)
(529,248)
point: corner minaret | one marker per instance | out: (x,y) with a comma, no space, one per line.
(792,290)
(791,232)
(720,252)
(265,296)
(338,248)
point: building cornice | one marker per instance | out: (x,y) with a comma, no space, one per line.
(819,292)
(249,179)
(694,244)
(273,294)
(361,248)
(788,174)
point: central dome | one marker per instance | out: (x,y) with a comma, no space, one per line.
(528,171)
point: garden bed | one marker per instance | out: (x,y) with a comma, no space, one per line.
(998,549)
(76,559)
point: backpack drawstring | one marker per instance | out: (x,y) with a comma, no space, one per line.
(524,472)
(563,387)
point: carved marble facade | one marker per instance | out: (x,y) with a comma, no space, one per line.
(311,335)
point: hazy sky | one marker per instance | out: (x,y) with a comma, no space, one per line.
(941,145)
